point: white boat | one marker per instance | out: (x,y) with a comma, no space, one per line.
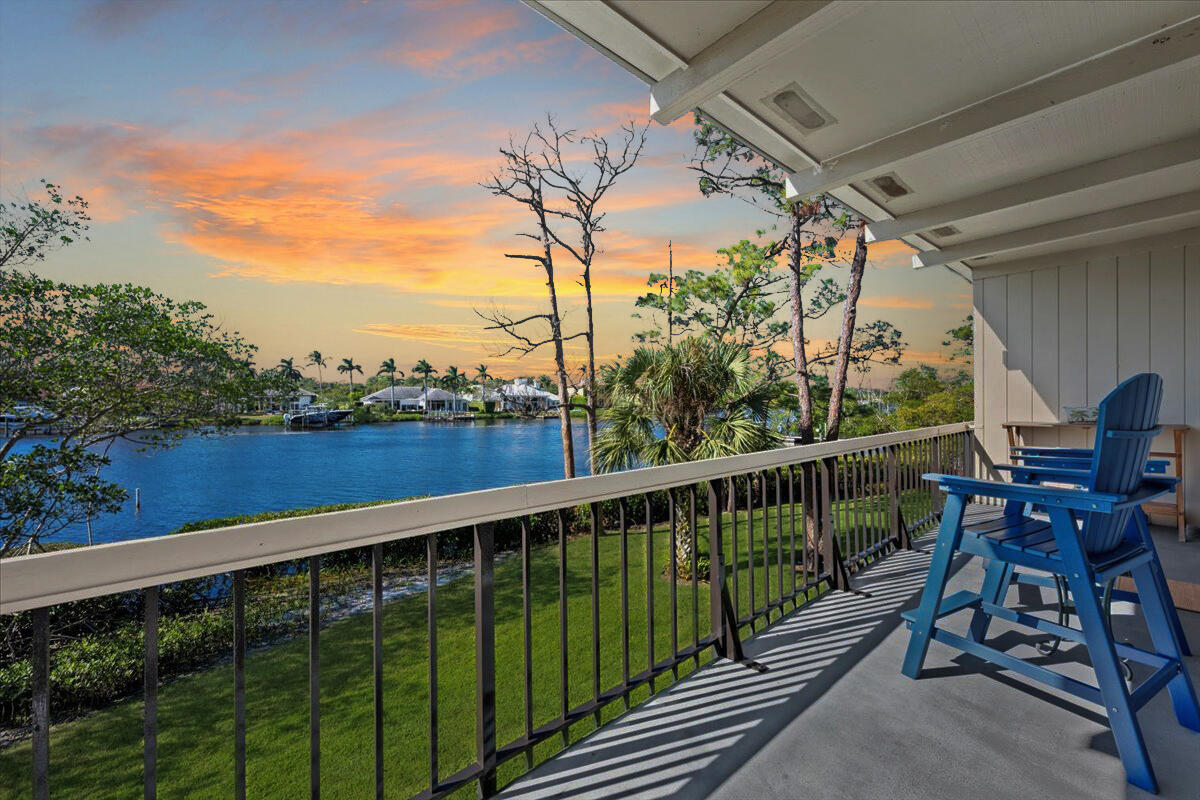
(316,416)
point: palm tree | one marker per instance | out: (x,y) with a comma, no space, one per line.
(482,374)
(287,366)
(389,368)
(315,359)
(453,380)
(423,369)
(702,393)
(350,367)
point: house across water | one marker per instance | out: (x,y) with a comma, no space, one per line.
(416,399)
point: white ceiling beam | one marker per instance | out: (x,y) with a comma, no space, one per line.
(1136,214)
(746,48)
(1160,50)
(1088,176)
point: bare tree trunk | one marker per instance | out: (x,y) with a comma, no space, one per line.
(799,355)
(670,294)
(590,379)
(849,314)
(808,471)
(560,364)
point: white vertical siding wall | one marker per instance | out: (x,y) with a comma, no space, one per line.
(1050,335)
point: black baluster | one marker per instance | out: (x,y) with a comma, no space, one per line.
(377,656)
(431,552)
(622,510)
(314,677)
(527,630)
(239,684)
(150,697)
(40,706)
(485,658)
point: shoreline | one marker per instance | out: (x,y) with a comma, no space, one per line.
(276,420)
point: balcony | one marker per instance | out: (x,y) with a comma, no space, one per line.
(549,647)
(834,718)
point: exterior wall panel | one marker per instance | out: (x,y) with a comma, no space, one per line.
(1051,336)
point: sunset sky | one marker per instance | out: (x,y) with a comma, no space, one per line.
(309,170)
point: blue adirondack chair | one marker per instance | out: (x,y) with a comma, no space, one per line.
(1087,535)
(1069,465)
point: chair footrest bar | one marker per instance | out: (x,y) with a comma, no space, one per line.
(1071,634)
(1049,677)
(1047,581)
(1155,683)
(1032,579)
(951,604)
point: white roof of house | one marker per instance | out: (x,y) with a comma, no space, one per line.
(442,394)
(979,133)
(389,393)
(525,390)
(296,392)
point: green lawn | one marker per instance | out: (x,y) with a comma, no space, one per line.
(100,756)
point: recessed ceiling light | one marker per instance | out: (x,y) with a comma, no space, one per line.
(890,185)
(795,104)
(946,230)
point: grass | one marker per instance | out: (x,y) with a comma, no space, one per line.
(100,755)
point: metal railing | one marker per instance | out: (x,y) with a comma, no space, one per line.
(782,526)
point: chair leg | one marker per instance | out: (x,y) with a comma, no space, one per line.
(1138,519)
(1096,634)
(1159,610)
(948,539)
(995,586)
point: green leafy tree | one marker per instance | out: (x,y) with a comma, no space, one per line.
(100,363)
(695,399)
(812,229)
(388,368)
(961,341)
(923,398)
(742,303)
(29,229)
(315,359)
(349,367)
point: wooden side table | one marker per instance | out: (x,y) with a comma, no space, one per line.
(1175,509)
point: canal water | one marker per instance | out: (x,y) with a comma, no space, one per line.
(269,469)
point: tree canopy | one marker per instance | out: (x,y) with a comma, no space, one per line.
(697,398)
(99,363)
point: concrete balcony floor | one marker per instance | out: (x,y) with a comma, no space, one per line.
(834,718)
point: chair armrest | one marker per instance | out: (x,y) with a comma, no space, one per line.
(1152,486)
(1049,496)
(1054,496)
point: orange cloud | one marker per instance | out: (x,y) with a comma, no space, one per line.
(430,334)
(316,206)
(451,43)
(444,302)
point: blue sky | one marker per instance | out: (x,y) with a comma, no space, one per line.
(310,169)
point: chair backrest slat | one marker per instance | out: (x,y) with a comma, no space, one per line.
(1125,429)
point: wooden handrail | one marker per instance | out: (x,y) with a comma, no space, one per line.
(46,579)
